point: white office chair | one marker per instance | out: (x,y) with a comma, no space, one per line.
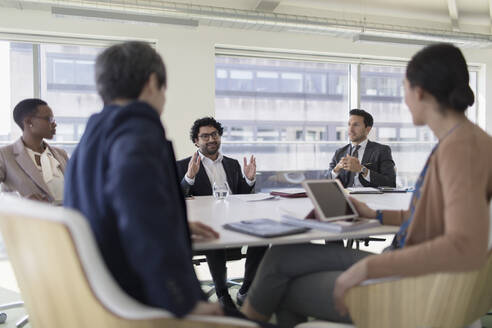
(63,279)
(441,300)
(13,305)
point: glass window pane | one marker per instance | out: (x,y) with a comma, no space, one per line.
(68,85)
(471,112)
(382,95)
(283,103)
(16,83)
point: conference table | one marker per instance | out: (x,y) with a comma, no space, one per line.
(236,208)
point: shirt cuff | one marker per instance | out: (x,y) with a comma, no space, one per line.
(368,176)
(333,174)
(191,182)
(250,182)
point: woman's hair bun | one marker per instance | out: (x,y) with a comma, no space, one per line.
(461,97)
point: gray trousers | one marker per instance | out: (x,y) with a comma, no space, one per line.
(297,281)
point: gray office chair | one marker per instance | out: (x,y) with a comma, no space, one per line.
(233,254)
(3,316)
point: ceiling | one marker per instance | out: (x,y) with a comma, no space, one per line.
(469,13)
(466,21)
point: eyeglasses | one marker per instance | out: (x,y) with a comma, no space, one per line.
(206,136)
(50,119)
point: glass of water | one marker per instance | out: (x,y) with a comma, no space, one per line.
(221,190)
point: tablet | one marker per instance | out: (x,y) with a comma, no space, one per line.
(329,200)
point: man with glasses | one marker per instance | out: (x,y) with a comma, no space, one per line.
(198,174)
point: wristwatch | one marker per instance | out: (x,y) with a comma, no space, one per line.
(364,170)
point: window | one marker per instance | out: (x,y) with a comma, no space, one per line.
(292,114)
(62,75)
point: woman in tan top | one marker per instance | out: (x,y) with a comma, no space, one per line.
(445,229)
(30,166)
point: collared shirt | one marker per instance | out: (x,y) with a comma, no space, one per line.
(51,171)
(362,148)
(215,171)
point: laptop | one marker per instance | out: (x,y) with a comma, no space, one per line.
(329,200)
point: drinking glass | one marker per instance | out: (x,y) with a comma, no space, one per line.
(220,190)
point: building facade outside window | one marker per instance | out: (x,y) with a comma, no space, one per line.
(292,114)
(60,74)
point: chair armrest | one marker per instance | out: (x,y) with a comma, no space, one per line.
(379,281)
(434,300)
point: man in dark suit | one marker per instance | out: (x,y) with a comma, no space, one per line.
(122,177)
(198,174)
(362,163)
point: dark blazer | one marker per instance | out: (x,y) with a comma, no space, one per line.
(122,177)
(377,158)
(18,172)
(202,187)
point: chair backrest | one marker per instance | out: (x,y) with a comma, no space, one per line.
(63,279)
(490,227)
(444,300)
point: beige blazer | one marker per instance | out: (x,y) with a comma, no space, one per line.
(18,172)
(450,228)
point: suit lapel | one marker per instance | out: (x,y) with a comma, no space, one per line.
(205,181)
(343,176)
(229,173)
(367,152)
(25,162)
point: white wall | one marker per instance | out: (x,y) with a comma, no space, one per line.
(189,56)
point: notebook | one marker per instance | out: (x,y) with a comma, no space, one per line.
(289,193)
(265,228)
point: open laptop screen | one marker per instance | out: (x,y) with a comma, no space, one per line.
(329,199)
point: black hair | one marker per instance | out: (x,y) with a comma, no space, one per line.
(205,121)
(368,120)
(441,70)
(25,108)
(123,69)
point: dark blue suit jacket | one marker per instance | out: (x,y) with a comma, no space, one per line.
(377,158)
(123,178)
(202,187)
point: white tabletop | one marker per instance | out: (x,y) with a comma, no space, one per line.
(218,212)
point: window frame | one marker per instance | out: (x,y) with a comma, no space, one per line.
(355,62)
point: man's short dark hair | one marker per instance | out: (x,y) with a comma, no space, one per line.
(123,69)
(27,107)
(368,120)
(205,121)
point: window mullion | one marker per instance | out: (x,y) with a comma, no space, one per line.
(36,67)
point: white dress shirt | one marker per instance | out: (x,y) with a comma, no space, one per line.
(51,171)
(362,148)
(215,172)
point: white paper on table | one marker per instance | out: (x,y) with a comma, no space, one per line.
(255,197)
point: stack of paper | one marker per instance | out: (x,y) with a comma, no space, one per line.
(255,197)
